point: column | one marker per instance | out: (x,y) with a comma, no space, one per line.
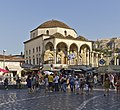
(68,52)
(90,58)
(87,58)
(97,59)
(92,55)
(78,58)
(54,56)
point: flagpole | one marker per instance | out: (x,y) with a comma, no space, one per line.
(4,59)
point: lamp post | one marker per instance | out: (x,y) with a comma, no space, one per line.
(4,58)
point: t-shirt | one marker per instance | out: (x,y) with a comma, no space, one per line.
(50,78)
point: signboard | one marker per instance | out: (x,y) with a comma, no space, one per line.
(102,61)
(71,56)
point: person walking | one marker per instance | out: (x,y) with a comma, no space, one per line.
(29,83)
(106,85)
(72,83)
(18,82)
(6,83)
(64,83)
(56,82)
(46,83)
(50,80)
(111,78)
(95,80)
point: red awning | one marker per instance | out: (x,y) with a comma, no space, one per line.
(3,70)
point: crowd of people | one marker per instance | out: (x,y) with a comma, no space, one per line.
(78,84)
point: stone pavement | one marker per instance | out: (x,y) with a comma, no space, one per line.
(19,99)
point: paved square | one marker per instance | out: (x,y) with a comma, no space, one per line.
(21,100)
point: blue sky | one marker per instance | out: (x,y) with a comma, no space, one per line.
(93,19)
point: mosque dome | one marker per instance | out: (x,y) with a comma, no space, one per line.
(53,24)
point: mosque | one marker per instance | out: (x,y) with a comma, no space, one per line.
(54,42)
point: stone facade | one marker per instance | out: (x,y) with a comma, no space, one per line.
(53,42)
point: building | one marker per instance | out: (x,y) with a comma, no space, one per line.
(54,42)
(12,63)
(110,48)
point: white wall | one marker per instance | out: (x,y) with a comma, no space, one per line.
(53,31)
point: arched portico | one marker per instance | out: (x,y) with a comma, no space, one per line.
(84,54)
(73,53)
(49,54)
(61,51)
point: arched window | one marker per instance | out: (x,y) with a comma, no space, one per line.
(65,32)
(29,51)
(29,60)
(33,60)
(36,49)
(47,32)
(39,49)
(33,50)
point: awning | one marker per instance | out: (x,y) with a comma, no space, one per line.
(3,70)
(30,66)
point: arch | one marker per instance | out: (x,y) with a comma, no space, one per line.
(85,46)
(73,51)
(73,47)
(61,49)
(62,46)
(49,46)
(85,54)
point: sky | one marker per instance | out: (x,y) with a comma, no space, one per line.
(93,19)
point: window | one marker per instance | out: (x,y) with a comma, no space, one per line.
(36,49)
(37,60)
(65,32)
(29,60)
(33,50)
(47,32)
(33,60)
(29,51)
(39,48)
(33,35)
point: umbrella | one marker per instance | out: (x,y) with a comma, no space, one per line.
(48,72)
(3,70)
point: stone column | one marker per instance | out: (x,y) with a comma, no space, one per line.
(68,52)
(90,59)
(96,59)
(115,58)
(87,58)
(78,57)
(54,56)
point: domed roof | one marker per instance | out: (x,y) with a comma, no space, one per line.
(53,23)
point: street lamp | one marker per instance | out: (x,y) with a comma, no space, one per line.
(4,58)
